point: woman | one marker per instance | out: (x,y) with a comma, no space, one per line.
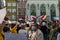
(58,36)
(13,28)
(23,35)
(45,29)
(1,34)
(35,33)
(7,34)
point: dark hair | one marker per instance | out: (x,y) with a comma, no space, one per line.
(54,26)
(35,25)
(6,18)
(12,25)
(6,29)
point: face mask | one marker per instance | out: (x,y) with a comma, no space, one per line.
(33,28)
(43,23)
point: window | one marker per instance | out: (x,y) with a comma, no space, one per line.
(9,4)
(43,9)
(33,9)
(9,10)
(38,6)
(19,13)
(28,6)
(53,11)
(13,10)
(9,17)
(14,4)
(13,17)
(22,13)
(24,6)
(22,0)
(19,6)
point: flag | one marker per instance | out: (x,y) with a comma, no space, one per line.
(43,17)
(33,17)
(56,18)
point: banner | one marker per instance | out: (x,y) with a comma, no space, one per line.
(56,18)
(2,14)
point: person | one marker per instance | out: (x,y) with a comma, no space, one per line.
(35,33)
(58,36)
(45,30)
(27,23)
(10,33)
(18,27)
(1,34)
(22,34)
(13,28)
(5,27)
(7,34)
(53,33)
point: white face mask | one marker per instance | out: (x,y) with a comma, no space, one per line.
(43,23)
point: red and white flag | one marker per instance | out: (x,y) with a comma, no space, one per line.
(56,18)
(43,17)
(33,17)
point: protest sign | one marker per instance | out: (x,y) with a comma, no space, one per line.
(2,14)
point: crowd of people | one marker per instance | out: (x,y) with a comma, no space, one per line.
(30,30)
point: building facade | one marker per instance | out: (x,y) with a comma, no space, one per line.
(42,7)
(21,8)
(11,8)
(59,6)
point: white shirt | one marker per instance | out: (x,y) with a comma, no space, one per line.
(32,36)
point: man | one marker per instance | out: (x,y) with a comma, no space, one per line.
(35,33)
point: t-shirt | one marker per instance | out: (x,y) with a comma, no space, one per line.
(22,35)
(10,36)
(7,36)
